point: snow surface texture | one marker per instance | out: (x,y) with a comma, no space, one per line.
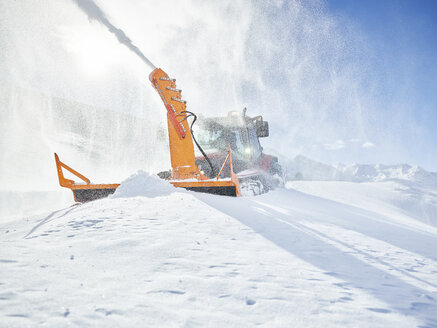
(326,257)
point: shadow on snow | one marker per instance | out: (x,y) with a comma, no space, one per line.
(282,226)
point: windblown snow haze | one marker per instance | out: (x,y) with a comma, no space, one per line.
(337,245)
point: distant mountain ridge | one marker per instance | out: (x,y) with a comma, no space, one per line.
(303,168)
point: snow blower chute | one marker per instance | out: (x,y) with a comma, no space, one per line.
(185,173)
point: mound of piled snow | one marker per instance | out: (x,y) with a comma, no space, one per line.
(143,184)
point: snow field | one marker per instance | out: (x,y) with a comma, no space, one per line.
(183,260)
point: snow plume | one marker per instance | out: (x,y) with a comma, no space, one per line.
(292,61)
(95,13)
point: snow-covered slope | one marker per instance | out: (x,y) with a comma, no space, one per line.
(317,258)
(405,201)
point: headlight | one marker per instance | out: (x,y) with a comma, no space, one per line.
(248,150)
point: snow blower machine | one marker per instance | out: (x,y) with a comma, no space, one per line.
(229,156)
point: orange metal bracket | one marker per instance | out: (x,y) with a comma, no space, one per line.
(234,177)
(67,183)
(233,182)
(62,180)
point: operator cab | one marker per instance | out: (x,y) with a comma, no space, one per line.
(237,130)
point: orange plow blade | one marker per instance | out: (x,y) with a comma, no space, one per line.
(185,173)
(86,191)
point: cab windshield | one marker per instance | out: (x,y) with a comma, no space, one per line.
(215,138)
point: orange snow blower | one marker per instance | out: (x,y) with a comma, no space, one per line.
(185,173)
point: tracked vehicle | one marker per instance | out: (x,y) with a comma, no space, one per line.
(240,132)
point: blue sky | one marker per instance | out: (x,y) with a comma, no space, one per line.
(399,30)
(338,80)
(403,37)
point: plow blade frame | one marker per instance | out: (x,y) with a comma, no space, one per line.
(83,192)
(86,191)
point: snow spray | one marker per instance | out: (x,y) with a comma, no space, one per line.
(95,13)
(292,61)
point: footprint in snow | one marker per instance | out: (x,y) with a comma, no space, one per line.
(224,296)
(389,285)
(378,310)
(341,285)
(175,292)
(250,301)
(7,261)
(421,306)
(7,296)
(17,315)
(108,312)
